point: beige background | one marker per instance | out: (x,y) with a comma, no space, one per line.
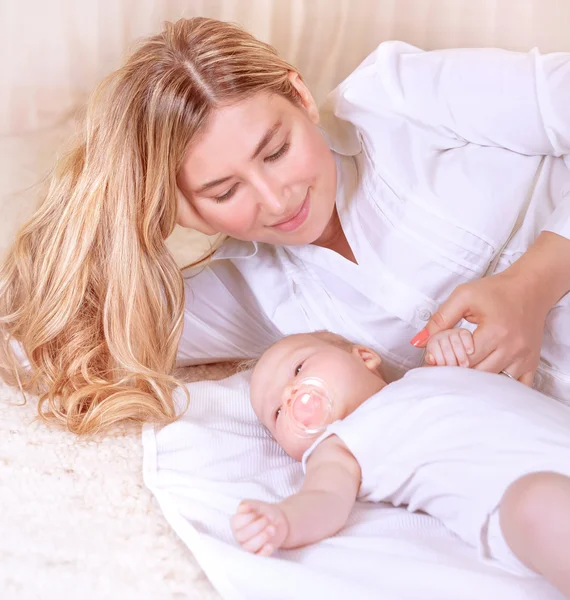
(53,52)
(77,521)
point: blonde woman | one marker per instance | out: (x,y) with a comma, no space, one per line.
(427,178)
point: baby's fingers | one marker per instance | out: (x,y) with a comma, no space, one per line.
(459,350)
(448,351)
(441,353)
(240,520)
(259,543)
(250,530)
(467,339)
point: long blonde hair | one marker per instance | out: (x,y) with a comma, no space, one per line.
(89,290)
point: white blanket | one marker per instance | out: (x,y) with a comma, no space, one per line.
(200,467)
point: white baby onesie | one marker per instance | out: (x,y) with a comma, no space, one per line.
(448,441)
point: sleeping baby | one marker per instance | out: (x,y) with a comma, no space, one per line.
(483,453)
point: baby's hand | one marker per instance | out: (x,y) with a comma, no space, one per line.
(451,347)
(259,527)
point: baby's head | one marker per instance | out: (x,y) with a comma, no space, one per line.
(285,386)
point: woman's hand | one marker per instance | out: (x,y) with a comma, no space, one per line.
(510,324)
(509,309)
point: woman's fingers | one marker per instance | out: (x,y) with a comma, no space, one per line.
(447,316)
(496,362)
(493,363)
(527,378)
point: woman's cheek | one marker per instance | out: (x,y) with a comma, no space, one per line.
(233,219)
(315,164)
(307,160)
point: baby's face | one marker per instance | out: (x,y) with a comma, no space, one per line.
(350,377)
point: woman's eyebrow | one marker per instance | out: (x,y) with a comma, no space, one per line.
(266,139)
(263,142)
(212,184)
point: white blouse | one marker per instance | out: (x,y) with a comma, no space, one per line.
(450,163)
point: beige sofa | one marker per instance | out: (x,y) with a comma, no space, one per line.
(76,520)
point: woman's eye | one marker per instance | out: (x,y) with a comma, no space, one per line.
(277,413)
(227,195)
(298,369)
(279,153)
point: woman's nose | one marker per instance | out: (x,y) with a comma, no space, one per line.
(272,198)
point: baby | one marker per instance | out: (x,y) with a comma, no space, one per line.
(486,455)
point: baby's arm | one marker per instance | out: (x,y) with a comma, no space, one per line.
(318,510)
(451,347)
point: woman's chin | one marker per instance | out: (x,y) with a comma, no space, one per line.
(300,238)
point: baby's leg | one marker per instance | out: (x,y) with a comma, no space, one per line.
(535,521)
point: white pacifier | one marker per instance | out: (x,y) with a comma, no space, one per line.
(309,408)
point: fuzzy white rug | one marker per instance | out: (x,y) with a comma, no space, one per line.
(76,520)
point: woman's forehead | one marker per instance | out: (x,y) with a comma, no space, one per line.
(239,127)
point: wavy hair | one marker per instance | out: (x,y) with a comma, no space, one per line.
(89,291)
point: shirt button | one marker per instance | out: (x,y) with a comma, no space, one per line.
(424,314)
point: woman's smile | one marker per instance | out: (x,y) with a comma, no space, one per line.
(297,219)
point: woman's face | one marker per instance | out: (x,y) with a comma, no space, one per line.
(260,171)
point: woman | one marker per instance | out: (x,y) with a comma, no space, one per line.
(428,172)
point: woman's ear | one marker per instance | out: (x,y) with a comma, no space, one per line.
(307,100)
(188,217)
(370,358)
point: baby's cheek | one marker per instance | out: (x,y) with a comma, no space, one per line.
(293,444)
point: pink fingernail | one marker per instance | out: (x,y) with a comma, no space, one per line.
(420,338)
(429,359)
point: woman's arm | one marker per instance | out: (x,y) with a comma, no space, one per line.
(223,319)
(489,97)
(510,308)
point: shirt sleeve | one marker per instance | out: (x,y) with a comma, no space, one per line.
(222,318)
(489,97)
(559,220)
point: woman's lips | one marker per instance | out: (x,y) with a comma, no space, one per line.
(297,220)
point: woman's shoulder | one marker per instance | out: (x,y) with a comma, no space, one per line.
(371,101)
(378,72)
